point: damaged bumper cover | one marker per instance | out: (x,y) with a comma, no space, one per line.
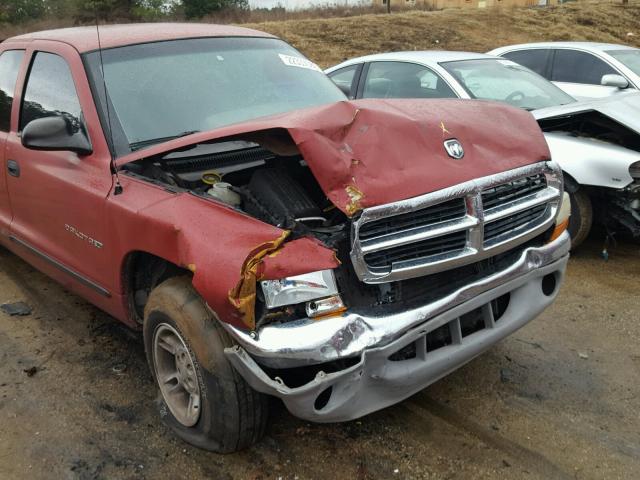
(375,381)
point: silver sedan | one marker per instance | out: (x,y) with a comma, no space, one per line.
(582,69)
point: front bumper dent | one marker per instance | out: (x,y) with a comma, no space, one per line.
(375,381)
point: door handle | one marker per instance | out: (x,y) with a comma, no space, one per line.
(13,168)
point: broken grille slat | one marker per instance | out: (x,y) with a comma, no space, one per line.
(413,251)
(406,221)
(509,192)
(519,220)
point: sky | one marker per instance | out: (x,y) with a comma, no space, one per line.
(293,4)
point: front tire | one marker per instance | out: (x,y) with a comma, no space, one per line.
(581,218)
(202,398)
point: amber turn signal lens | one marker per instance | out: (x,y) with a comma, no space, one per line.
(559,229)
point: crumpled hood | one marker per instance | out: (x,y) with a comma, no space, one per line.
(370,152)
(624,108)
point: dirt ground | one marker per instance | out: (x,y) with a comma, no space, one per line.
(559,399)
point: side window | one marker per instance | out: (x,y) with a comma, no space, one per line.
(345,79)
(535,60)
(579,67)
(50,91)
(9,68)
(404,80)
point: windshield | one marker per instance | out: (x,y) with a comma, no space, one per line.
(629,58)
(158,91)
(504,80)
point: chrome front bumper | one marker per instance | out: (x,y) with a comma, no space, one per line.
(375,381)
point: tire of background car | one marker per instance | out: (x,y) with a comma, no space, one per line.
(581,217)
(202,398)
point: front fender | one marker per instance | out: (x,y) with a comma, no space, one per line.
(592,162)
(227,251)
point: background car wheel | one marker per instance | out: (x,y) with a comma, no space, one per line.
(202,398)
(581,217)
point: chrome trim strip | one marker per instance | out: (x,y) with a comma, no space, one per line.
(78,277)
(476,247)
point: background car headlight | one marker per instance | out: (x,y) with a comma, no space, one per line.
(634,170)
(310,287)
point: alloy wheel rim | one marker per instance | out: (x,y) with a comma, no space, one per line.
(176,375)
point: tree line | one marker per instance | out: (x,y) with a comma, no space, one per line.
(19,11)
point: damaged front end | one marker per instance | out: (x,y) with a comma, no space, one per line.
(389,263)
(449,290)
(622,207)
(597,145)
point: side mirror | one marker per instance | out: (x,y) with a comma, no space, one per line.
(55,133)
(613,80)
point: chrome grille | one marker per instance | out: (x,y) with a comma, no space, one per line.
(515,190)
(506,227)
(449,210)
(436,246)
(455,226)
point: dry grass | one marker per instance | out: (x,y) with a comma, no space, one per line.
(331,40)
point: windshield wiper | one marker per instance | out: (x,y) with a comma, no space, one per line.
(152,141)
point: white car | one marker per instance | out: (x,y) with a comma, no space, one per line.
(582,69)
(596,143)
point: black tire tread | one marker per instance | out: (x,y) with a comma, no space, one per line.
(252,405)
(239,429)
(581,218)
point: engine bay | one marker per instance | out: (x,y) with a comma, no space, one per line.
(277,189)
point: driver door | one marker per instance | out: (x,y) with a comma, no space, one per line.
(58,197)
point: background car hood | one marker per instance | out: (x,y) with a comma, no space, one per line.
(624,108)
(370,152)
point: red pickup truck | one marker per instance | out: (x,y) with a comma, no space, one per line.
(209,186)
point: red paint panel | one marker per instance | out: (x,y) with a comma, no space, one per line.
(187,230)
(296,257)
(84,39)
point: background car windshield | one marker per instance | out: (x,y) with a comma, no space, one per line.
(629,58)
(165,89)
(506,81)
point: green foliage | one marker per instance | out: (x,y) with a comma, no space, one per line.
(150,9)
(16,11)
(85,11)
(200,8)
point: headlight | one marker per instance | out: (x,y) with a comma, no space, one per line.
(317,289)
(634,170)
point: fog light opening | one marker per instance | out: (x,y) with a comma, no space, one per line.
(549,283)
(323,399)
(500,305)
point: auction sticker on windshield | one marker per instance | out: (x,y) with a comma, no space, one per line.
(292,61)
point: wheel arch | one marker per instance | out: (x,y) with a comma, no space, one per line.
(571,185)
(142,271)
